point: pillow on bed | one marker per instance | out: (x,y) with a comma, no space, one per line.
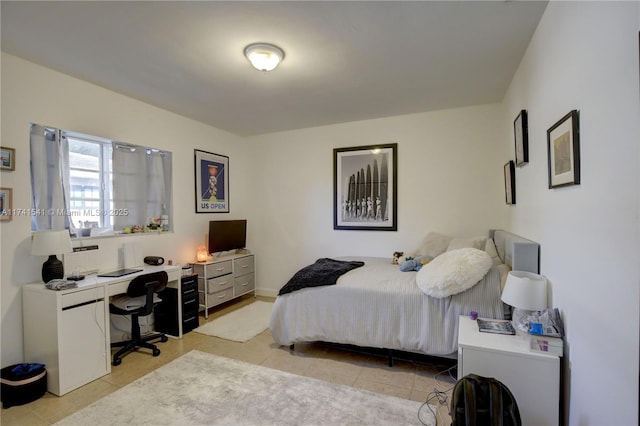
(490,248)
(433,245)
(453,272)
(476,243)
(503,270)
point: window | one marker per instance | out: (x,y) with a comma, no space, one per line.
(90,183)
(87,183)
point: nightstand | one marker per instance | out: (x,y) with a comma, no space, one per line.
(532,377)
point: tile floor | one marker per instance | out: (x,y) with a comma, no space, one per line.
(415,380)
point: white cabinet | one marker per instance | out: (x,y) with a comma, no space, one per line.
(532,377)
(66,331)
(82,346)
(224,278)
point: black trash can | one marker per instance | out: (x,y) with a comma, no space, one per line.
(22,383)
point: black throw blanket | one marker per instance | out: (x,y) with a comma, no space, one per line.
(323,272)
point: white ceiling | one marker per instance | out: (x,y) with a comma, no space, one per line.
(345,61)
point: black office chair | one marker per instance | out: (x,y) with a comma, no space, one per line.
(143,285)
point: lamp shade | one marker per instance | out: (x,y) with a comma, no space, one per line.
(51,243)
(264,56)
(525,290)
(46,243)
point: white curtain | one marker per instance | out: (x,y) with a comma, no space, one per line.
(141,184)
(159,178)
(49,179)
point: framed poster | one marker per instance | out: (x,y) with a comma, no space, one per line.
(212,182)
(7,158)
(563,151)
(365,188)
(521,137)
(6,204)
(510,182)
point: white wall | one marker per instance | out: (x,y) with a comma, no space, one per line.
(584,56)
(450,179)
(31,93)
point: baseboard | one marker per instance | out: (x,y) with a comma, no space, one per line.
(266,292)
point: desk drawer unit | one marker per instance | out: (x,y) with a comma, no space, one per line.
(190,301)
(169,318)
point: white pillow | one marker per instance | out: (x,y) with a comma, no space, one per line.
(453,272)
(490,248)
(503,270)
(433,245)
(476,243)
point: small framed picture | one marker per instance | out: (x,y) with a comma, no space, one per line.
(7,158)
(510,182)
(212,182)
(563,151)
(521,137)
(6,204)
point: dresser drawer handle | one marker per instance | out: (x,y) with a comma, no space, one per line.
(186,320)
(245,284)
(219,269)
(223,283)
(184,293)
(245,266)
(189,301)
(222,296)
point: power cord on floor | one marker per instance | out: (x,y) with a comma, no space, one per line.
(441,397)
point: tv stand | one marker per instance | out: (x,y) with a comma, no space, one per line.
(224,278)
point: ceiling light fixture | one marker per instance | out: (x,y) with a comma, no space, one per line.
(264,56)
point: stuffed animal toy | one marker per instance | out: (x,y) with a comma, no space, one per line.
(414,264)
(396,256)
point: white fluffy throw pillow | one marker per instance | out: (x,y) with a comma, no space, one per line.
(453,272)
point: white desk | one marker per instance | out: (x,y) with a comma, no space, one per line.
(68,330)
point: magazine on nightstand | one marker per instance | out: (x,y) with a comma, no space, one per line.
(495,326)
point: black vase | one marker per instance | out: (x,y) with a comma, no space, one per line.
(52,269)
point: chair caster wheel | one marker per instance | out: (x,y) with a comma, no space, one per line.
(117,361)
(156,352)
(164,339)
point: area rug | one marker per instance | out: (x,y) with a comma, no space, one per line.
(240,325)
(203,389)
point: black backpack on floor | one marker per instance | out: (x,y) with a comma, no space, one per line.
(483,401)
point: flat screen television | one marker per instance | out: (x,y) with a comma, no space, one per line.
(225,235)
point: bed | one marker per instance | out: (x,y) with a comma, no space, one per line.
(379,306)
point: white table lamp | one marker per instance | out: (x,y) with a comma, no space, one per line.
(525,291)
(51,243)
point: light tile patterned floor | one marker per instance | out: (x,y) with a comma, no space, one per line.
(415,380)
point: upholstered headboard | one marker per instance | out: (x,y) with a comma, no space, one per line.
(517,252)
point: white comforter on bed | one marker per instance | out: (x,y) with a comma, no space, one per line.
(379,306)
